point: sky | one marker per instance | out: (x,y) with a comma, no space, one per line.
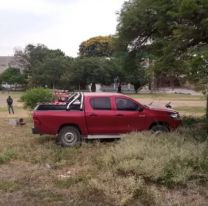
(58,24)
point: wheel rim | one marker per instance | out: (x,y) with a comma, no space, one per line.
(158,132)
(69,137)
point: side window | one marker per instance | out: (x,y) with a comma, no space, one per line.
(100,103)
(75,105)
(126,105)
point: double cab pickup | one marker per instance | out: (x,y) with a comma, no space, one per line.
(100,115)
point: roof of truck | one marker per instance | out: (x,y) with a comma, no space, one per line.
(96,94)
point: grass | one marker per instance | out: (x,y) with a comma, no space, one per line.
(141,169)
(70,181)
(168,160)
(178,97)
(46,196)
(6,155)
(11,93)
(183,103)
(8,186)
(191,109)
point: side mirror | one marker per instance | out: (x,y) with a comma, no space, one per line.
(140,109)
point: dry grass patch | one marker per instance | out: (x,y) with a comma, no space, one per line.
(145,163)
(8,186)
(169,159)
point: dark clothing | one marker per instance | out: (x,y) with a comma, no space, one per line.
(93,87)
(9,101)
(10,106)
(10,109)
(119,88)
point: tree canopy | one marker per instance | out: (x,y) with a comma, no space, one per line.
(42,65)
(167,29)
(174,32)
(100,46)
(12,76)
(183,22)
(84,71)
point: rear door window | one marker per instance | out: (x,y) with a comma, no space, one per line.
(100,103)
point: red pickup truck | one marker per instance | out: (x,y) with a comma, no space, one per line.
(100,115)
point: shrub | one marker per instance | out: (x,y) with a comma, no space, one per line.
(36,95)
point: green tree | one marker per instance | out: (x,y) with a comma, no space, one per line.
(197,67)
(172,31)
(87,70)
(42,65)
(136,73)
(96,63)
(12,76)
(133,69)
(50,71)
(30,56)
(100,46)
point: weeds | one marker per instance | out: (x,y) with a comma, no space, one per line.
(46,196)
(193,109)
(169,159)
(71,181)
(6,155)
(8,186)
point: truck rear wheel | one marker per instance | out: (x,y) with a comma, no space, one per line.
(69,136)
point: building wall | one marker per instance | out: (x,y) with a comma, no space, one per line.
(8,61)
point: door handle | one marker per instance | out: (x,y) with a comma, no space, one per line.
(119,115)
(92,115)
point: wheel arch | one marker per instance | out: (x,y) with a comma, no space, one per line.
(159,123)
(69,125)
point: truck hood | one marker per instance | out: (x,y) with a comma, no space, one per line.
(161,109)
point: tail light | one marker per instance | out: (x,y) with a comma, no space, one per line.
(36,120)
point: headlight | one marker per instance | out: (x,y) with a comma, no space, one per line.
(175,115)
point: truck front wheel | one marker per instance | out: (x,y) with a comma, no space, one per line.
(69,136)
(158,129)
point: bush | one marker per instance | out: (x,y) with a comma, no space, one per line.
(36,95)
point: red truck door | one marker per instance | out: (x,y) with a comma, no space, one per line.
(130,116)
(100,116)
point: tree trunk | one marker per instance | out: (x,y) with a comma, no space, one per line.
(207,106)
(150,85)
(172,82)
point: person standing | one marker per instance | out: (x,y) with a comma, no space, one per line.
(10,105)
(119,88)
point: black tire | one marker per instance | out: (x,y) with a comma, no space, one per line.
(158,129)
(69,136)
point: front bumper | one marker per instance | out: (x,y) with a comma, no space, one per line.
(176,124)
